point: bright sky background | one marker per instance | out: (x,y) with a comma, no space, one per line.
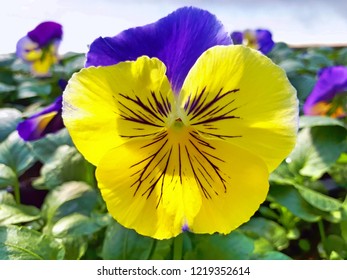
(292,21)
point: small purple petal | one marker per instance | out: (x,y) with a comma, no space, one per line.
(48,120)
(185,228)
(177,40)
(62,84)
(264,39)
(331,81)
(46,32)
(237,37)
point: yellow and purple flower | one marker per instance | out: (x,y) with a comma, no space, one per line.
(183,127)
(329,95)
(259,39)
(40,46)
(48,120)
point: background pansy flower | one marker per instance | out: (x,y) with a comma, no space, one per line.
(40,46)
(48,120)
(259,39)
(183,127)
(329,94)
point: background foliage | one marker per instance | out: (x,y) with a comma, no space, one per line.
(50,207)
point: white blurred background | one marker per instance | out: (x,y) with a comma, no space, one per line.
(296,22)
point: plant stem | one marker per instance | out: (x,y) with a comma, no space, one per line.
(321,230)
(178,247)
(16,190)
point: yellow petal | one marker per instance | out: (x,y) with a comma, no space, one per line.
(245,182)
(178,180)
(105,106)
(237,94)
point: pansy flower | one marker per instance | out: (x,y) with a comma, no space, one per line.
(39,47)
(48,120)
(329,95)
(259,39)
(183,127)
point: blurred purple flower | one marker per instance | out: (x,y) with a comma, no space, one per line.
(329,94)
(40,46)
(260,39)
(48,120)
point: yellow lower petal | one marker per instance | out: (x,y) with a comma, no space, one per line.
(158,186)
(141,186)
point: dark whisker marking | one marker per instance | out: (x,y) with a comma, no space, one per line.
(200,141)
(139,119)
(218,118)
(216,110)
(140,180)
(196,101)
(135,136)
(187,103)
(179,163)
(214,167)
(163,174)
(202,173)
(156,139)
(197,179)
(219,135)
(138,102)
(166,103)
(217,98)
(161,108)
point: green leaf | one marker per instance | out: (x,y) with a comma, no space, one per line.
(7,198)
(292,66)
(4,88)
(65,165)
(334,243)
(317,149)
(303,84)
(71,197)
(162,249)
(311,121)
(343,227)
(73,62)
(16,214)
(21,243)
(75,247)
(342,57)
(125,244)
(9,118)
(44,148)
(7,176)
(270,230)
(290,198)
(16,154)
(75,225)
(319,200)
(271,255)
(234,246)
(316,61)
(6,60)
(34,88)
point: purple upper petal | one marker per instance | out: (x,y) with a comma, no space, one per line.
(177,40)
(41,123)
(237,37)
(46,32)
(331,81)
(264,39)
